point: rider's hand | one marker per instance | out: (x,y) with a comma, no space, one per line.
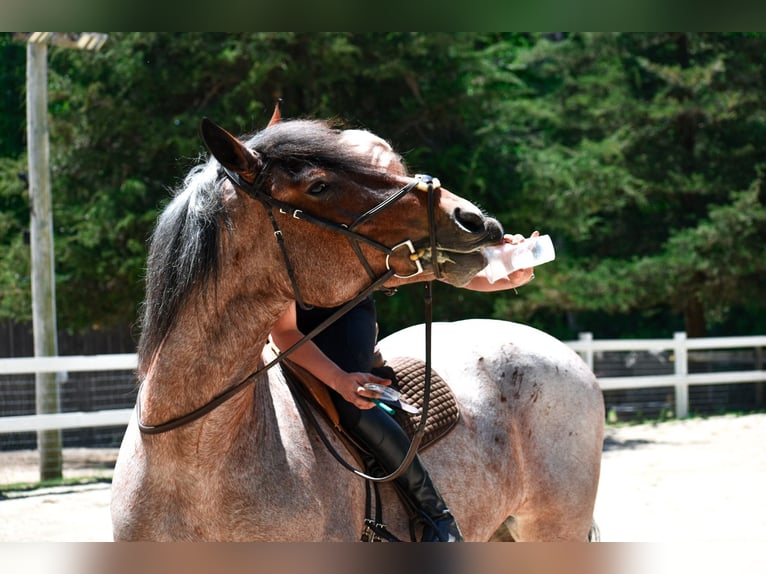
(351,387)
(520,276)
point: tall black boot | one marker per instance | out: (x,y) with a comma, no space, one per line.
(438,523)
(388,443)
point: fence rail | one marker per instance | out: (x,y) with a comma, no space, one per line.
(586,346)
(26,365)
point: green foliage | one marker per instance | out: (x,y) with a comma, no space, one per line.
(639,146)
(639,153)
(15,283)
(12,96)
(15,286)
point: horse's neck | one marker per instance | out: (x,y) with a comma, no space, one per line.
(216,344)
(219,334)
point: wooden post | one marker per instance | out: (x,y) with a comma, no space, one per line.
(41,239)
(48,399)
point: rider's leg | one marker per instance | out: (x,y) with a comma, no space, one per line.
(350,342)
(388,443)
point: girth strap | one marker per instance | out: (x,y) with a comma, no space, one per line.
(375,529)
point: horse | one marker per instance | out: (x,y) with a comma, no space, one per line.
(217,448)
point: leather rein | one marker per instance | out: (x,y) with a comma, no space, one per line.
(255,190)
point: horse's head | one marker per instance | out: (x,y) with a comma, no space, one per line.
(347,211)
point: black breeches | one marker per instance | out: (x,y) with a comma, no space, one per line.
(375,430)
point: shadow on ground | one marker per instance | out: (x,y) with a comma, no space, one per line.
(611,443)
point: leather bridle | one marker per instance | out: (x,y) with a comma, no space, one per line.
(255,190)
(420,182)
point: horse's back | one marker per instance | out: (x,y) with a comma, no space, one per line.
(512,355)
(523,385)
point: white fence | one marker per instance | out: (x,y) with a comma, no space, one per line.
(586,346)
(680,379)
(70,420)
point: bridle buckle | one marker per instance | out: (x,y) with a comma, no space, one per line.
(296,213)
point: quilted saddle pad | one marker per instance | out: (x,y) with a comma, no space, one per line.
(443,411)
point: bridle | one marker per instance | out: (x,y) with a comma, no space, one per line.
(420,182)
(256,190)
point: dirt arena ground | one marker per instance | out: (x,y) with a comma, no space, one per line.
(679,481)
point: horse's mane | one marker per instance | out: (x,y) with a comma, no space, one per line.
(184,248)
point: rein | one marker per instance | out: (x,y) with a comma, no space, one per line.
(252,377)
(422,183)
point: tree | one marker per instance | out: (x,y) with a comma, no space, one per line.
(12,76)
(15,294)
(647,143)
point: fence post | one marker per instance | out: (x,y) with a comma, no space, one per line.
(759,367)
(587,354)
(682,369)
(48,399)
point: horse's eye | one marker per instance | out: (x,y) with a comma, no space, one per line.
(318,188)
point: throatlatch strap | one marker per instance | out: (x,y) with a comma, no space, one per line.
(286,257)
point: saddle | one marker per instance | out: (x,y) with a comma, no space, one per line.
(407,375)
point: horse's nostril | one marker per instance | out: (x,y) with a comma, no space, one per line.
(471,221)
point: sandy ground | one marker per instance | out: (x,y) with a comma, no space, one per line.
(680,481)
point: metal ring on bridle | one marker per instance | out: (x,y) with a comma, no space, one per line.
(418,265)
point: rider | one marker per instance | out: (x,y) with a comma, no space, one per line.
(341,356)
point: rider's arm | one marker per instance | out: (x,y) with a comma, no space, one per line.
(285,333)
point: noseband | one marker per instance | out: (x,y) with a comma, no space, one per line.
(424,183)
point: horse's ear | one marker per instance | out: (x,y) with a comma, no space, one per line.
(276,117)
(229,151)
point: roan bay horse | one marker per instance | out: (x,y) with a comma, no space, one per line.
(295,211)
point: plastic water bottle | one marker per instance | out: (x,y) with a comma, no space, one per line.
(506,258)
(386,393)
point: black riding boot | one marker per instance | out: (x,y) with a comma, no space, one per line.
(438,523)
(388,443)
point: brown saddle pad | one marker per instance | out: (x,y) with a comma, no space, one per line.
(443,412)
